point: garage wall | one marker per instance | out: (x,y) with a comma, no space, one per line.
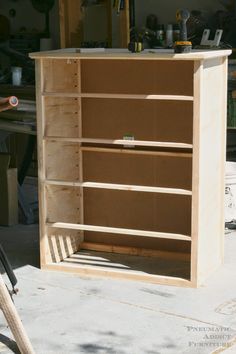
(166,9)
(28,17)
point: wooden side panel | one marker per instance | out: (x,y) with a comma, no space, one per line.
(63,204)
(137,169)
(62,161)
(44,255)
(61,75)
(211,162)
(143,119)
(61,117)
(137,77)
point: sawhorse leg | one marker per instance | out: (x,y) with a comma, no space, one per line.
(8,308)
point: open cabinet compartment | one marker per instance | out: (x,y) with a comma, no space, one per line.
(120,166)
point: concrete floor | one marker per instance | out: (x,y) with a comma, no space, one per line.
(68,314)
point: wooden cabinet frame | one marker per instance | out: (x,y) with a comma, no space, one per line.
(131,163)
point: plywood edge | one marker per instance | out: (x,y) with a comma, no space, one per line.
(91,271)
(135,251)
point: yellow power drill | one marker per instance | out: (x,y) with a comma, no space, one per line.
(182,45)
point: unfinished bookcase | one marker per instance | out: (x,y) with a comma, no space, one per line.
(131,163)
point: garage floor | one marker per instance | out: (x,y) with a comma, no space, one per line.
(67,314)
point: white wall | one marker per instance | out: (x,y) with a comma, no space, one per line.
(28,17)
(166,9)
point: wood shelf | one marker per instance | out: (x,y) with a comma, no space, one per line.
(119,96)
(116,230)
(121,187)
(121,142)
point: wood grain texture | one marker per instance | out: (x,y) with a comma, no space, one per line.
(14,322)
(159,195)
(112,54)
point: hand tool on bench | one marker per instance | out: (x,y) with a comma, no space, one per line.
(182,45)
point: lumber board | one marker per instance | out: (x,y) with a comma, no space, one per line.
(122,142)
(120,187)
(115,230)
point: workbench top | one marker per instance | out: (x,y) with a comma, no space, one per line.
(147,54)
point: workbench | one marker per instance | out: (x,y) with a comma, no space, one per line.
(131,153)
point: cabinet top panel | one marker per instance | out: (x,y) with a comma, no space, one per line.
(148,54)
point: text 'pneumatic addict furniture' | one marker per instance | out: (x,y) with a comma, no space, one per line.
(131,163)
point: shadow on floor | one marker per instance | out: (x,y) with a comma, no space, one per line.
(21,244)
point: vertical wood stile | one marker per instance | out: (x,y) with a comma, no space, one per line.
(81,204)
(39,73)
(224,129)
(198,68)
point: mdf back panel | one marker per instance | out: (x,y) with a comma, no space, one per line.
(153,120)
(159,244)
(138,210)
(138,169)
(137,77)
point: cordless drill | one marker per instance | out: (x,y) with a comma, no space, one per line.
(182,45)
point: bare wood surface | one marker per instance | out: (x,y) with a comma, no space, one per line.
(122,142)
(115,230)
(209,166)
(120,96)
(9,310)
(116,274)
(103,106)
(120,187)
(149,55)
